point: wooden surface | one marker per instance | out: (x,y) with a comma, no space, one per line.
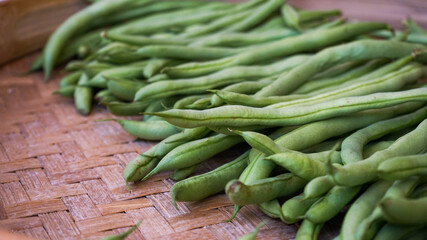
(61,173)
(26,24)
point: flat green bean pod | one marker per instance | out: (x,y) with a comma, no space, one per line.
(280,48)
(194,152)
(140,166)
(239,116)
(207,184)
(357,50)
(263,190)
(148,130)
(349,174)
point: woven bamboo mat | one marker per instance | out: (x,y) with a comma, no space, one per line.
(61,173)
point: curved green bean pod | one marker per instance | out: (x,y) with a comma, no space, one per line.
(207,184)
(299,164)
(78,23)
(226,76)
(263,190)
(352,146)
(403,166)
(329,206)
(295,208)
(140,166)
(83,96)
(317,187)
(194,152)
(280,48)
(148,130)
(372,148)
(357,50)
(362,208)
(371,224)
(308,230)
(317,132)
(240,116)
(349,174)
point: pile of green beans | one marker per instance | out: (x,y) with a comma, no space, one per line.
(334,114)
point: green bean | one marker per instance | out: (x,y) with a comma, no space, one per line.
(140,166)
(242,87)
(395,232)
(184,102)
(258,15)
(194,152)
(263,190)
(240,116)
(408,37)
(362,208)
(105,96)
(207,184)
(274,23)
(148,130)
(314,133)
(371,224)
(216,25)
(123,235)
(83,96)
(243,39)
(329,206)
(181,18)
(183,173)
(294,19)
(252,235)
(158,77)
(372,148)
(271,208)
(187,53)
(295,208)
(414,27)
(352,146)
(358,50)
(380,72)
(127,109)
(124,89)
(126,72)
(280,48)
(403,166)
(299,164)
(66,91)
(76,24)
(143,40)
(308,230)
(317,187)
(226,76)
(349,174)
(253,101)
(336,80)
(70,79)
(155,65)
(200,104)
